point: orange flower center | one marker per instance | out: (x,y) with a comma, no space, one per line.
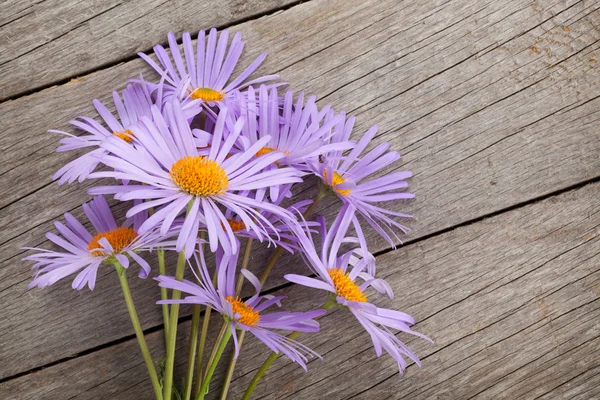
(118,238)
(336,180)
(199,176)
(236,225)
(126,136)
(207,94)
(267,150)
(247,315)
(345,287)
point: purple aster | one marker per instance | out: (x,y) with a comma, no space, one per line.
(174,174)
(350,178)
(296,129)
(204,74)
(135,104)
(245,315)
(85,252)
(338,275)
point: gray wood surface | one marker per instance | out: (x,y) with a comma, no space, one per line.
(511,302)
(51,41)
(493,105)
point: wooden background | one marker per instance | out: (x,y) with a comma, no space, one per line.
(495,106)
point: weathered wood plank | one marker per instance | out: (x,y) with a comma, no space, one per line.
(114,371)
(15,169)
(482,127)
(512,303)
(75,37)
(583,386)
(469,81)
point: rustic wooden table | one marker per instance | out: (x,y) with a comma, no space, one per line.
(494,105)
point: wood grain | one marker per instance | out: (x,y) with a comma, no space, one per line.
(512,303)
(491,104)
(76,37)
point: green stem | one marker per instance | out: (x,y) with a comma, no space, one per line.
(172,333)
(189,377)
(329,304)
(203,334)
(322,194)
(194,340)
(213,365)
(272,261)
(138,330)
(263,368)
(213,353)
(173,319)
(163,291)
(245,260)
(200,355)
(238,290)
(231,367)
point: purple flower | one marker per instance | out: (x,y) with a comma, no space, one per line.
(204,74)
(338,276)
(135,104)
(296,129)
(176,175)
(85,252)
(246,315)
(348,177)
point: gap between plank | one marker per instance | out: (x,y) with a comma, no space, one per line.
(135,56)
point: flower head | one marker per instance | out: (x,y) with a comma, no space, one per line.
(296,128)
(247,315)
(175,175)
(203,75)
(135,104)
(85,252)
(339,276)
(349,177)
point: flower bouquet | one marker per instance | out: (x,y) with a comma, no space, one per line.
(209,164)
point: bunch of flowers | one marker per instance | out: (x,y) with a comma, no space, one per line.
(209,163)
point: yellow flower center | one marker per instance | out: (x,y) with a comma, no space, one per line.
(118,238)
(345,287)
(199,176)
(336,180)
(267,150)
(207,94)
(126,136)
(247,315)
